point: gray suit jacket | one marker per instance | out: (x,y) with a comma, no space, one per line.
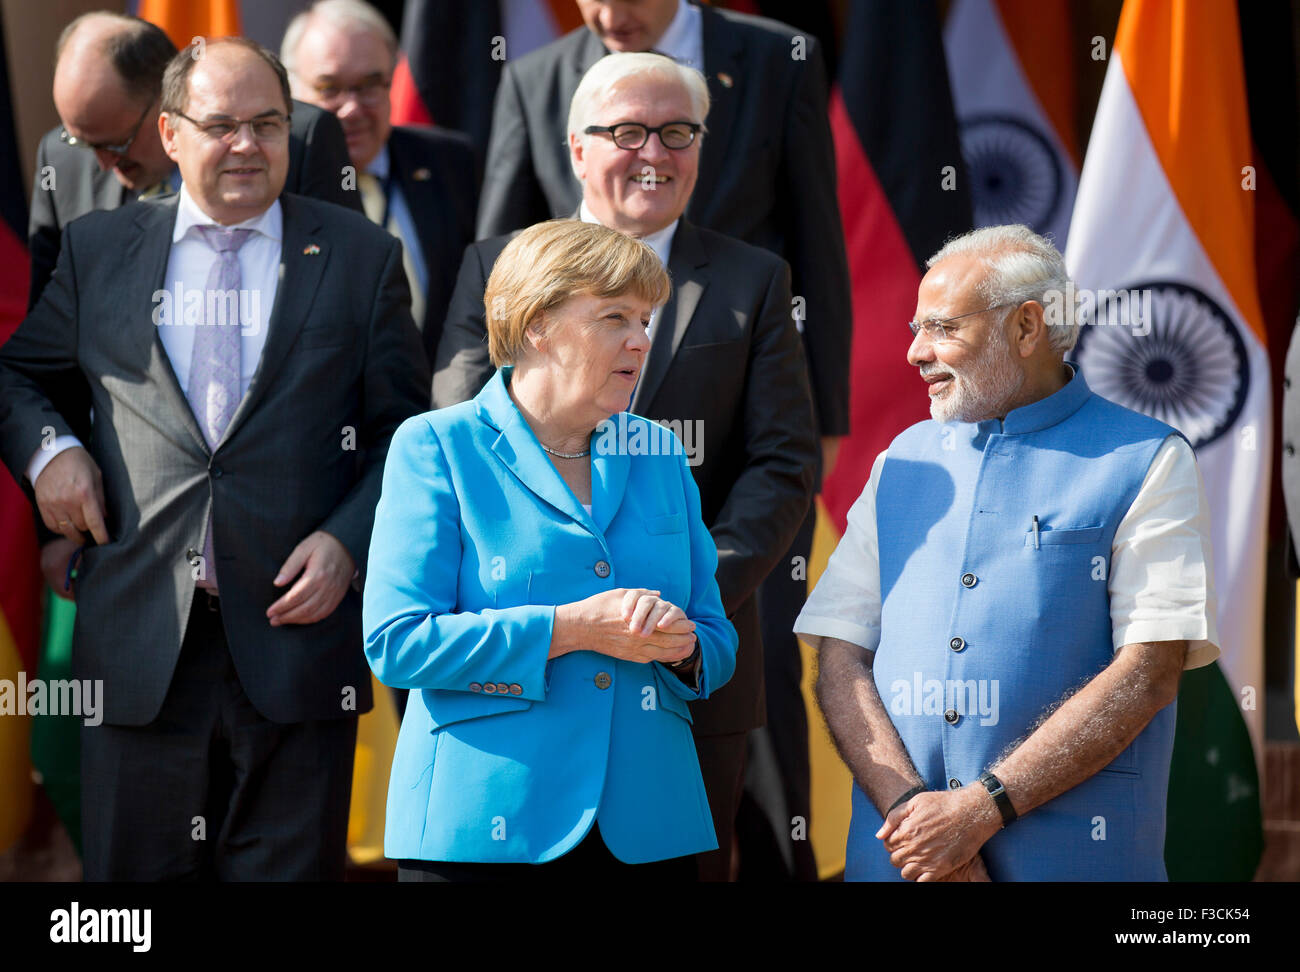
(767,168)
(725,357)
(342,367)
(317,153)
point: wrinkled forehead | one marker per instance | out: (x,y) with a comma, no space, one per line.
(235,83)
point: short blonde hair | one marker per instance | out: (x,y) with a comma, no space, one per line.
(550,262)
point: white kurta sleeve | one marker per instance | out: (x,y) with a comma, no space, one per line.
(845,604)
(1162,569)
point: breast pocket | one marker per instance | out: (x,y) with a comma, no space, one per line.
(1052,537)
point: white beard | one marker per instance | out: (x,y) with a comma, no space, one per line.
(983,389)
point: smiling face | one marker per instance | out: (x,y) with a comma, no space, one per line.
(972,376)
(328,60)
(639,191)
(593,349)
(236,181)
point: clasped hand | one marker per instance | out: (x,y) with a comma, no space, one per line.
(936,836)
(633,624)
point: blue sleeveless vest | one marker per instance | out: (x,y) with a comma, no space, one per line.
(983,627)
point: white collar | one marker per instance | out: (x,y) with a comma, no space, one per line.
(661,241)
(681,40)
(269,223)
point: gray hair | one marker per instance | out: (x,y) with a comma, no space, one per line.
(346,15)
(1022,266)
(612,70)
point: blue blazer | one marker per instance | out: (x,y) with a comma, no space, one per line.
(504,756)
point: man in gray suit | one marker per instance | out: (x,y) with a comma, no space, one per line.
(725,368)
(248,355)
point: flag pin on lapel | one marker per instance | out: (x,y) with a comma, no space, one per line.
(725,79)
(311,249)
(421,175)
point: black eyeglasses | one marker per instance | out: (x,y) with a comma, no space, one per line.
(67,138)
(633,135)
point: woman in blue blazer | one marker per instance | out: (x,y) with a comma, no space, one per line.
(539,573)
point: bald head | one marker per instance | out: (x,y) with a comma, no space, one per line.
(107,74)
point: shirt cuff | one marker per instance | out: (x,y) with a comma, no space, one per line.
(854,634)
(42,457)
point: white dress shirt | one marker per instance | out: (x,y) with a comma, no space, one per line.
(683,41)
(1161,580)
(188,265)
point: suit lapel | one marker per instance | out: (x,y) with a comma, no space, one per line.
(423,197)
(149,249)
(518,449)
(723,58)
(303,257)
(688,268)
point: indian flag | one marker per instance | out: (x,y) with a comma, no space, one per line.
(1165,213)
(1009,62)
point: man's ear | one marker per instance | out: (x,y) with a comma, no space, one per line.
(577,157)
(168,136)
(1030,331)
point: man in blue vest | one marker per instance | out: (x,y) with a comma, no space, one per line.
(1002,628)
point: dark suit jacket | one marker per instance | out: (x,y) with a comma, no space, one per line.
(341,354)
(725,354)
(438,175)
(767,168)
(317,153)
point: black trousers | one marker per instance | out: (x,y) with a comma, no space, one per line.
(211,790)
(590,860)
(778,786)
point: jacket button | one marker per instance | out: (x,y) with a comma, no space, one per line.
(475,687)
(969,580)
(216,472)
(957,644)
(603,680)
(951,716)
(503,688)
(516,688)
(601,568)
(489,688)
(954,783)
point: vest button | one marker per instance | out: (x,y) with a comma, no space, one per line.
(969,580)
(954,783)
(951,717)
(603,680)
(957,644)
(601,569)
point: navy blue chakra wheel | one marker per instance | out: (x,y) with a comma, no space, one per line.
(1015,176)
(1185,366)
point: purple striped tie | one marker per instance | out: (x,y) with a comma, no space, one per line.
(213,389)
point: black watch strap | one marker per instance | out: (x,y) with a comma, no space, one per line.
(904,798)
(999,794)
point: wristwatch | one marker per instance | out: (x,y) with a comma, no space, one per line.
(688,661)
(999,794)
